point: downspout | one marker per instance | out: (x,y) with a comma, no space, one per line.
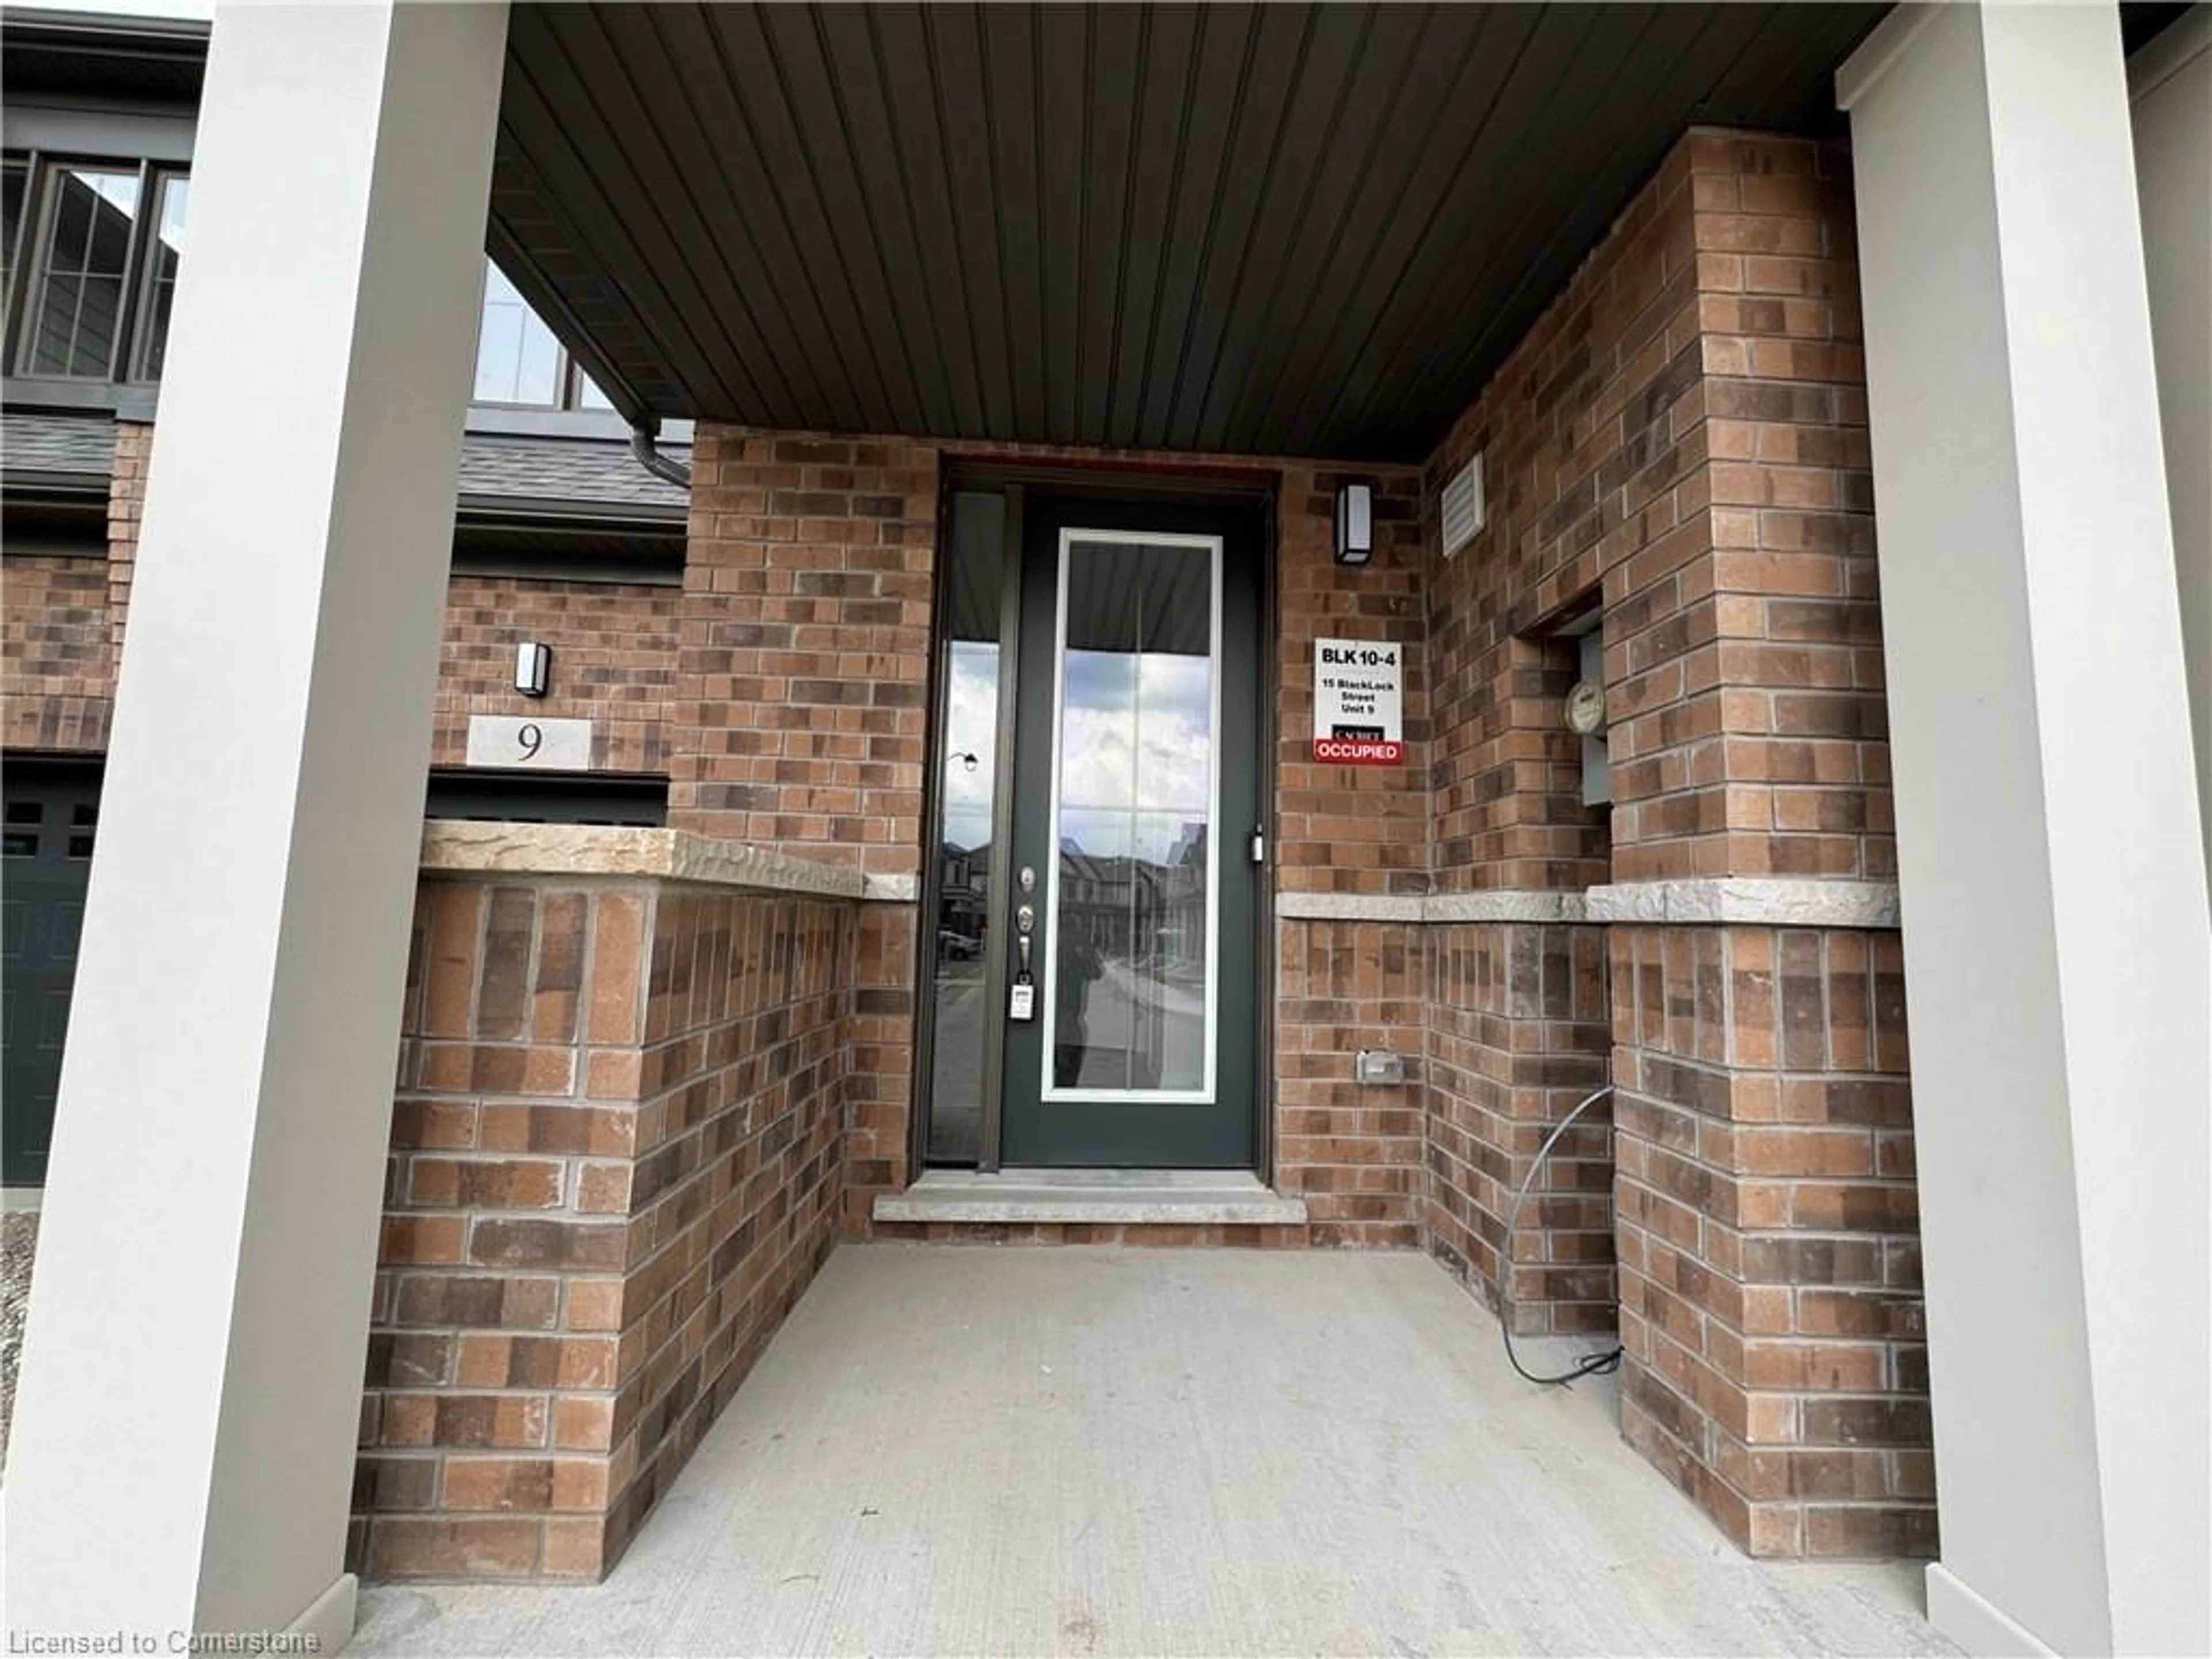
(644,444)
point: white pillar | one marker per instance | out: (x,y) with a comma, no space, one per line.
(2055,943)
(183,1441)
(2171,82)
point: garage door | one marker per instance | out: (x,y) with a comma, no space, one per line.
(47,819)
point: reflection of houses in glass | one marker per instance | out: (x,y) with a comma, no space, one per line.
(1134,908)
(1144,922)
(1181,936)
(964,890)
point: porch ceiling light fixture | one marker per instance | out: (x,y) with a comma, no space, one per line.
(1355,523)
(533,668)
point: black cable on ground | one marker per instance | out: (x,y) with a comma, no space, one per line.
(1590,1364)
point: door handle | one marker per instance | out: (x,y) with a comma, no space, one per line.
(1025,927)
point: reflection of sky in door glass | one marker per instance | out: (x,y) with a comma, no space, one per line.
(1129,969)
(1137,681)
(971,728)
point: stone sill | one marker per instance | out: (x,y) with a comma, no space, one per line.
(1769,901)
(575,849)
(1108,1197)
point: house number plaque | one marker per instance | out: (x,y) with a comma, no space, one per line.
(528,743)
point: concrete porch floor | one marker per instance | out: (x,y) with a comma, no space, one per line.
(968,1449)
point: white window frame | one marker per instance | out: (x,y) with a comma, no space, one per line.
(1206,1095)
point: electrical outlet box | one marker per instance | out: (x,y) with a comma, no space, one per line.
(1378,1065)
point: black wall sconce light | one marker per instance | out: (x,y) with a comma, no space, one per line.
(1355,523)
(533,668)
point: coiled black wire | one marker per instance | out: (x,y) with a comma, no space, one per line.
(1590,1364)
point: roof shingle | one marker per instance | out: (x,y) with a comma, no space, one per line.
(494,468)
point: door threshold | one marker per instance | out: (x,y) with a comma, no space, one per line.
(1124,1197)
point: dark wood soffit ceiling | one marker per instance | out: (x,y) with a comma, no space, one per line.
(1261,229)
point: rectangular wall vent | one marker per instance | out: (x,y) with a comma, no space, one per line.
(1464,510)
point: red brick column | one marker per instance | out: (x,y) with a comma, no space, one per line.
(803,646)
(800,719)
(1680,443)
(1769,1254)
(1770,1265)
(617,1151)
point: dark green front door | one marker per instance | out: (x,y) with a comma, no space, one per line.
(51,810)
(1136,800)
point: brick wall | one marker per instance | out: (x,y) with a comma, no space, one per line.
(614,663)
(62,623)
(1769,1257)
(1349,829)
(1518,1032)
(56,669)
(614,1162)
(1594,469)
(1794,610)
(1683,435)
(1680,441)
(803,646)
(126,505)
(1353,1152)
(802,723)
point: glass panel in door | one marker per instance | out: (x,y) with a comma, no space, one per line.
(1129,984)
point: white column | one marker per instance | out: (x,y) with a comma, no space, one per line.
(2171,82)
(183,1441)
(2055,943)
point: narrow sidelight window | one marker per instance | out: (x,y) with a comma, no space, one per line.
(968,741)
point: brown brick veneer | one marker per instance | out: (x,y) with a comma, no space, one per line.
(1352,1151)
(1349,829)
(615,1156)
(126,505)
(1680,443)
(802,723)
(56,668)
(1518,1032)
(1770,1261)
(614,663)
(1683,436)
(62,623)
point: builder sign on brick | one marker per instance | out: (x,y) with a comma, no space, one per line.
(1355,703)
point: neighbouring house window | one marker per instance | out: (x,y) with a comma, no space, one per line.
(95,271)
(77,293)
(15,182)
(519,360)
(175,192)
(103,243)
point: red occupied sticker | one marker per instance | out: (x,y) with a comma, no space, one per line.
(1359,751)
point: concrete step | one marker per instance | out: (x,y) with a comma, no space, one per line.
(1232,1197)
